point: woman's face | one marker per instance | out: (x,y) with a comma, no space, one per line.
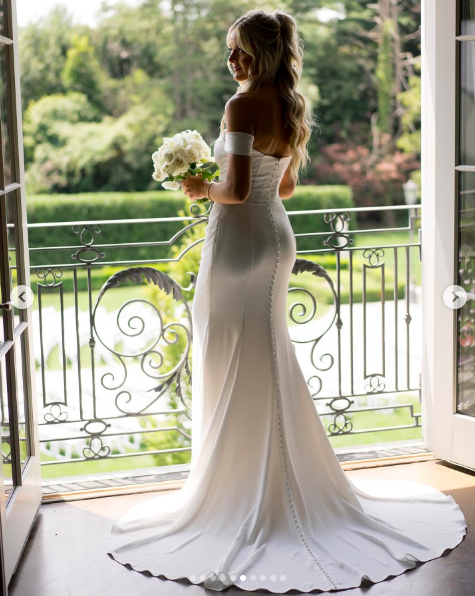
(240,61)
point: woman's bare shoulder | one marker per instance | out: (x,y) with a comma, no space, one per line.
(239,112)
(256,99)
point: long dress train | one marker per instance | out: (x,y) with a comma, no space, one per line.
(266,504)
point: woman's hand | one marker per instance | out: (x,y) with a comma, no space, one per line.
(195,187)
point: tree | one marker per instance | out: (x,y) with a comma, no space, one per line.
(43,49)
(43,118)
(410,140)
(82,72)
(153,69)
(388,32)
(72,150)
(385,79)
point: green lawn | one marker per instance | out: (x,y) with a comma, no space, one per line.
(112,300)
(390,238)
(95,467)
(362,420)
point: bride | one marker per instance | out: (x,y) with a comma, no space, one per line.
(266,504)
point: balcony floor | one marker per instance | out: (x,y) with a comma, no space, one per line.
(65,555)
(76,487)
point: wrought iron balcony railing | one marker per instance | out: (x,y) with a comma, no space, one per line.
(113,337)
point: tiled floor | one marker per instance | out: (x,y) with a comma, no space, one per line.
(66,556)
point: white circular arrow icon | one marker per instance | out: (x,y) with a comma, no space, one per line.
(22,296)
(455,297)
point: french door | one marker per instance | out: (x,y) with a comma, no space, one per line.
(448,236)
(20,477)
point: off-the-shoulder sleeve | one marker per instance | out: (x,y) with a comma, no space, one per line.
(239,143)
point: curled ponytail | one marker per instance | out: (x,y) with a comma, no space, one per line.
(276,48)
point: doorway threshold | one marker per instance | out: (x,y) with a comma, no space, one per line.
(381,454)
(172,477)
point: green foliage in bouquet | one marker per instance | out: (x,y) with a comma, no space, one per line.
(209,171)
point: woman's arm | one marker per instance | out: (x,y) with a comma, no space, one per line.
(287,186)
(237,186)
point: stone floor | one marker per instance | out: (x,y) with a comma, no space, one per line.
(65,555)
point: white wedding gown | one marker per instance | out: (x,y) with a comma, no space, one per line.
(266,504)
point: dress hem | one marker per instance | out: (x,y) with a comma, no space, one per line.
(273,590)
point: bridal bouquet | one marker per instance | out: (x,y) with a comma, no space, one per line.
(185,153)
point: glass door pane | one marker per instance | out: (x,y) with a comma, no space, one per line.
(467,103)
(465,403)
(6,119)
(467,17)
(20,360)
(466,314)
(2,17)
(9,414)
(6,449)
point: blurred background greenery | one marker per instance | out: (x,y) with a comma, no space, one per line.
(98,99)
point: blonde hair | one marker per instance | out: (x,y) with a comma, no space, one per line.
(276,48)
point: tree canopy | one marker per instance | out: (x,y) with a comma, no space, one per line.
(98,101)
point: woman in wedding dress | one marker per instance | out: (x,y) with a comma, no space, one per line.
(266,504)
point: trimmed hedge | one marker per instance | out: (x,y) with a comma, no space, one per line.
(316,197)
(103,206)
(118,206)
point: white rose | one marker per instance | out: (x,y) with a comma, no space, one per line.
(171,185)
(203,148)
(180,166)
(169,156)
(181,152)
(178,141)
(159,174)
(192,154)
(193,136)
(206,156)
(189,139)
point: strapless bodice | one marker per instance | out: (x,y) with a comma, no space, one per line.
(267,172)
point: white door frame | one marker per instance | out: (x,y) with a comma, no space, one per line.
(451,436)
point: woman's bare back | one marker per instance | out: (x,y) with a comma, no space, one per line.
(271,137)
